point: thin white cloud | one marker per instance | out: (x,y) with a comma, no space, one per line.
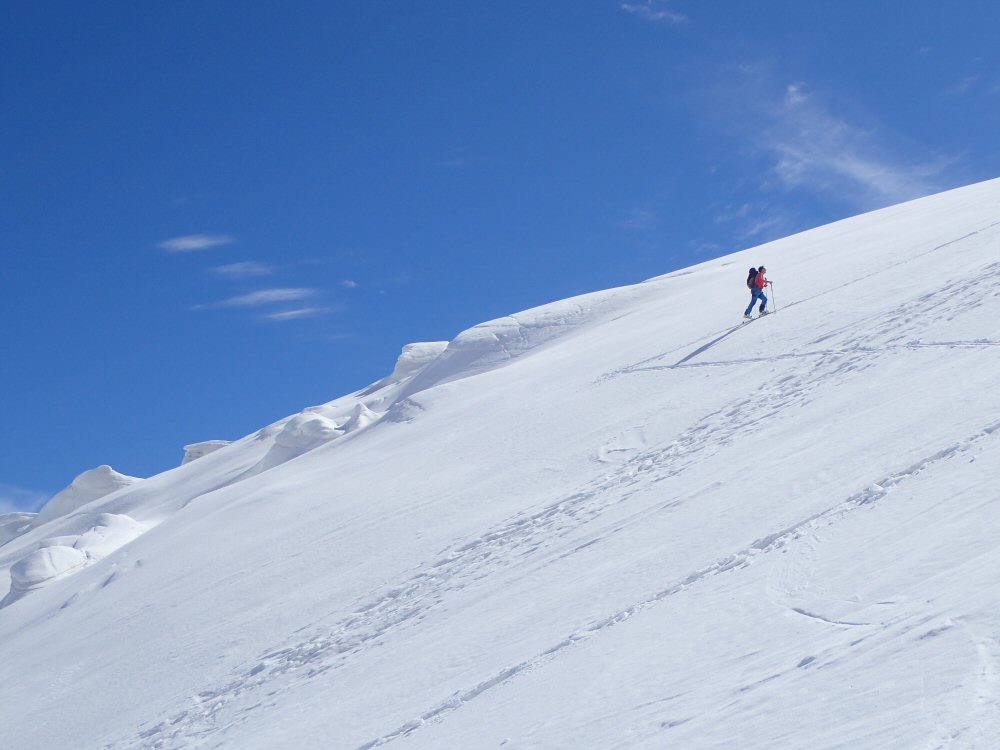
(733,213)
(814,149)
(967,85)
(268,297)
(13,499)
(799,153)
(194,242)
(463,157)
(656,11)
(296,314)
(757,221)
(349,284)
(638,218)
(799,142)
(766,226)
(243,270)
(711,249)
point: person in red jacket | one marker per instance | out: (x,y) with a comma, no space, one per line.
(757,292)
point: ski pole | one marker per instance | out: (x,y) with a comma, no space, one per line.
(774,302)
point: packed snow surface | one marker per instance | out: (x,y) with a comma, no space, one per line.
(623,520)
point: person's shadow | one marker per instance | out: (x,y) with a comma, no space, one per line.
(709,345)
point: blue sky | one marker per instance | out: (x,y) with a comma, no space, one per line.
(217,213)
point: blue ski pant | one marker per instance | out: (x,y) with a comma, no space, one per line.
(757,293)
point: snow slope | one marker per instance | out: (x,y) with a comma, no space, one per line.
(624,520)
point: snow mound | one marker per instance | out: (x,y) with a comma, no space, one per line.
(58,557)
(415,357)
(199,450)
(301,434)
(306,431)
(361,417)
(412,360)
(497,342)
(43,565)
(111,531)
(89,486)
(311,428)
(12,525)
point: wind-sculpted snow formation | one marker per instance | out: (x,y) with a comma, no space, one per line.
(621,520)
(58,557)
(14,524)
(319,425)
(199,450)
(90,485)
(36,561)
(50,559)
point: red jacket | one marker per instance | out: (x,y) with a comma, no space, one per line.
(759,281)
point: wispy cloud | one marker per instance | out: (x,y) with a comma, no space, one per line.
(268,296)
(465,158)
(711,249)
(815,149)
(803,157)
(757,220)
(14,499)
(194,242)
(654,10)
(297,314)
(349,284)
(638,218)
(801,142)
(243,270)
(771,222)
(974,85)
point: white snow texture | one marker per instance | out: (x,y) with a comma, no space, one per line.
(623,520)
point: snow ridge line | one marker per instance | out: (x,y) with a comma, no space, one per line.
(740,559)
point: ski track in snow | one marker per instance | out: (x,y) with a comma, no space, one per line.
(972,720)
(529,535)
(986,706)
(886,330)
(499,548)
(922,305)
(986,695)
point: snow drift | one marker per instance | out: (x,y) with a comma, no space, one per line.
(198,450)
(89,486)
(622,520)
(58,557)
(15,524)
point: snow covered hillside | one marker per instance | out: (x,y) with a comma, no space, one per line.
(623,520)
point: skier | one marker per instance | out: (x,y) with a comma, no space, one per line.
(757,281)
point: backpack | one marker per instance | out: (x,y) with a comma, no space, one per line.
(751,277)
